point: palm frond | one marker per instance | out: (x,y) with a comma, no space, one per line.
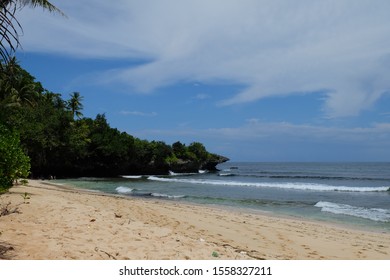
(9,38)
(10,26)
(41,3)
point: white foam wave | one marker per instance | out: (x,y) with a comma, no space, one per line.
(166,195)
(123,190)
(225,174)
(375,214)
(296,186)
(171,173)
(132,176)
(92,191)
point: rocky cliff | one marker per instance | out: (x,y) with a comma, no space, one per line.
(190,166)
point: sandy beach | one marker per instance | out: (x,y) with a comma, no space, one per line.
(65,223)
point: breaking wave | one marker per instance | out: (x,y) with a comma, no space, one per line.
(171,173)
(162,195)
(295,186)
(124,190)
(374,214)
(132,176)
(134,192)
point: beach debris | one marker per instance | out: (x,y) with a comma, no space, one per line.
(202,240)
(117,215)
(92,220)
(108,254)
(6,210)
(4,249)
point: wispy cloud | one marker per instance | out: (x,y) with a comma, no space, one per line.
(202,96)
(138,113)
(270,47)
(254,130)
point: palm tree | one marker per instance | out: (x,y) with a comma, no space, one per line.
(17,87)
(75,104)
(10,26)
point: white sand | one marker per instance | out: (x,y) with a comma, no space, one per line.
(63,223)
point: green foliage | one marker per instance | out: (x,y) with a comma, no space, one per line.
(14,164)
(195,151)
(75,105)
(160,152)
(25,197)
(179,149)
(199,151)
(24,182)
(172,159)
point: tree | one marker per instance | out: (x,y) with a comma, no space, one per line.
(160,152)
(75,104)
(17,86)
(198,150)
(14,164)
(18,92)
(179,149)
(44,131)
(10,26)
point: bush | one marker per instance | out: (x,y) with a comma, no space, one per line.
(14,164)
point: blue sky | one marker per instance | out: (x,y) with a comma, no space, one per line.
(254,80)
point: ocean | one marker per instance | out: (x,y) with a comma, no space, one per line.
(353,194)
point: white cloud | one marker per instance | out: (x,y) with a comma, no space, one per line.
(270,47)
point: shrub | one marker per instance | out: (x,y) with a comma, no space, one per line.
(14,164)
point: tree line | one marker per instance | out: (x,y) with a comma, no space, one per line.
(43,135)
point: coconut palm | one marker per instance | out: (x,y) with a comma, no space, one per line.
(75,104)
(17,87)
(10,26)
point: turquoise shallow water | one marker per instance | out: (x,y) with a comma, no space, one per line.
(356,194)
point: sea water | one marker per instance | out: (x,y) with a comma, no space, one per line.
(356,194)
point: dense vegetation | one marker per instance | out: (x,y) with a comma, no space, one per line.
(14,163)
(41,129)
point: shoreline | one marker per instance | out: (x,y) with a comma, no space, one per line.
(342,224)
(233,209)
(62,222)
